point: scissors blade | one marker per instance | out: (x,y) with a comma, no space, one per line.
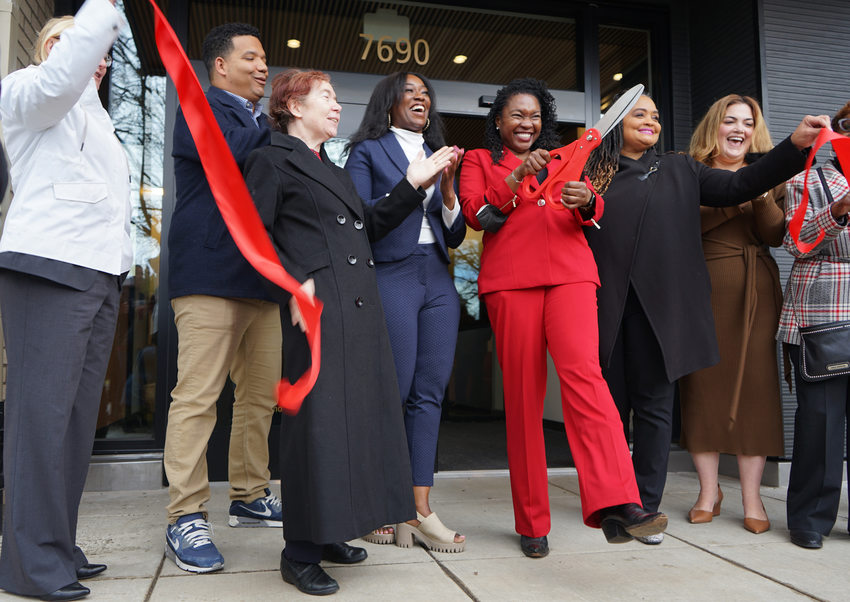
(618,110)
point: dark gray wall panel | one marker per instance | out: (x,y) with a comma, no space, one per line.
(680,70)
(724,52)
(805,46)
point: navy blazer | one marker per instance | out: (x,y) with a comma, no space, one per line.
(202,257)
(376,166)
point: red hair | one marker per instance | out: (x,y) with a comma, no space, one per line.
(290,85)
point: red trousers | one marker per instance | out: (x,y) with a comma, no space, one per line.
(562,318)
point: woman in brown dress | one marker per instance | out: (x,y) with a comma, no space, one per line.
(734,407)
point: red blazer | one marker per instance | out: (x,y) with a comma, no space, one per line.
(536,246)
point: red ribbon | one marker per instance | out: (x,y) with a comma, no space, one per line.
(841,146)
(234,202)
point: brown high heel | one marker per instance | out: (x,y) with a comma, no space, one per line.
(757,525)
(698,517)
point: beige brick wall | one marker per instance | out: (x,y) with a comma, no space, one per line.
(20,23)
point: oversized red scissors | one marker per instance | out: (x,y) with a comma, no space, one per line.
(568,162)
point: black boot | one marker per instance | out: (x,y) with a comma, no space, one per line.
(534,547)
(621,523)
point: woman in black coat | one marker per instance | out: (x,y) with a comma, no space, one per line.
(655,320)
(344,464)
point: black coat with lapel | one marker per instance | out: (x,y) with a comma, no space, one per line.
(345,469)
(650,238)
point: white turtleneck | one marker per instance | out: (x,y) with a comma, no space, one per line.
(412,143)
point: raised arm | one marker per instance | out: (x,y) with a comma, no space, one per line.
(39,97)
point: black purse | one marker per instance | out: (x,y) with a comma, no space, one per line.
(825,348)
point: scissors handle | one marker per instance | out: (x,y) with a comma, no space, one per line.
(567,165)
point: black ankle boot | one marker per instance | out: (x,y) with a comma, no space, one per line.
(621,523)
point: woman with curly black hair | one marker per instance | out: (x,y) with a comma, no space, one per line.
(538,281)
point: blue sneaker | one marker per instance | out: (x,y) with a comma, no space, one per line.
(189,545)
(263,512)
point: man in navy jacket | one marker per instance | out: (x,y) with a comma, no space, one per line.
(226,322)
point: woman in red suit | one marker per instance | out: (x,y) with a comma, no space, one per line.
(538,281)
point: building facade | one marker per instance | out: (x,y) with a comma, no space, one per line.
(783,52)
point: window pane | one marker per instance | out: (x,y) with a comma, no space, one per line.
(623,61)
(137,108)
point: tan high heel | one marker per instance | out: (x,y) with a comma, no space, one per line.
(698,517)
(757,525)
(430,531)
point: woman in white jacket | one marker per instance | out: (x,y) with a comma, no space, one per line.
(63,255)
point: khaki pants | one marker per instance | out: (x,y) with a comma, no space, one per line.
(217,336)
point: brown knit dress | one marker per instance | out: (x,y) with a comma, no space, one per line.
(735,406)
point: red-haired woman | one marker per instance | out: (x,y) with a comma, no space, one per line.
(344,455)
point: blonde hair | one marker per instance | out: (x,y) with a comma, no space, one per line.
(704,144)
(51,29)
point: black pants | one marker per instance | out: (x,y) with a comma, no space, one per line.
(639,385)
(820,426)
(303,551)
(58,341)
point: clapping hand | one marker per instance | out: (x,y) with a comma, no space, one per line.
(447,188)
(423,171)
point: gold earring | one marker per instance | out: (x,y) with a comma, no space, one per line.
(389,121)
(427,123)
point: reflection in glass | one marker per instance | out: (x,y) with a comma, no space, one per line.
(623,62)
(137,108)
(383,37)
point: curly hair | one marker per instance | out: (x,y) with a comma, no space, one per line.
(386,94)
(548,137)
(604,161)
(705,146)
(219,41)
(288,85)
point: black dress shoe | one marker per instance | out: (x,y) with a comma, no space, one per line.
(807,539)
(342,553)
(534,547)
(74,591)
(621,523)
(87,571)
(308,577)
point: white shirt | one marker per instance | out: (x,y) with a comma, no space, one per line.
(412,143)
(70,177)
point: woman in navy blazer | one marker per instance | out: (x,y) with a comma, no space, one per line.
(420,302)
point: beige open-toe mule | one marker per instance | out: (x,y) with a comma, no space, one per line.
(431,531)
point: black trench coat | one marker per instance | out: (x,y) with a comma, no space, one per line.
(650,237)
(345,469)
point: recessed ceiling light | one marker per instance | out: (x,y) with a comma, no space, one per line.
(459,59)
(293,43)
(618,77)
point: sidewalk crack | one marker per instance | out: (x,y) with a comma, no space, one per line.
(749,569)
(451,575)
(156,575)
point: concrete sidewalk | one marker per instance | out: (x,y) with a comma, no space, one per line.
(716,561)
